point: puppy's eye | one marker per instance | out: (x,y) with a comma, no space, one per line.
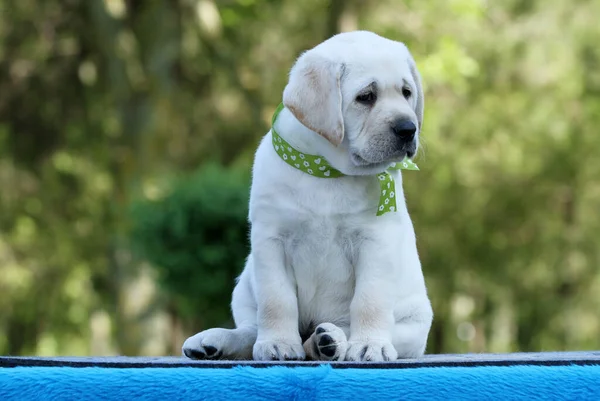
(406,93)
(366,98)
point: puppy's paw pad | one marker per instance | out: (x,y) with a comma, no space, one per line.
(330,342)
(210,350)
(194,353)
(277,351)
(371,351)
(326,340)
(206,352)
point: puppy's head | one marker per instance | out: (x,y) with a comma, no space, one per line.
(362,93)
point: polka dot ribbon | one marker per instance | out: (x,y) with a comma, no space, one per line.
(319,167)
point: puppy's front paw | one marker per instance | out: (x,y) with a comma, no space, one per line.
(208,344)
(277,351)
(374,351)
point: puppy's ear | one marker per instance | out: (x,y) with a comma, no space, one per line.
(419,109)
(314,97)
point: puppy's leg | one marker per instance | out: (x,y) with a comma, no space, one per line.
(327,343)
(372,307)
(411,331)
(277,303)
(229,344)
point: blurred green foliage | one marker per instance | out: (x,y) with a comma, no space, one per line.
(196,236)
(127,131)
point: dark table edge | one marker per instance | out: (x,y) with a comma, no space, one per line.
(582,358)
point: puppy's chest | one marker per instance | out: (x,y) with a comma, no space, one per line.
(313,238)
(347,195)
(321,254)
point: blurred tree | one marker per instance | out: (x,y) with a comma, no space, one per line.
(197,238)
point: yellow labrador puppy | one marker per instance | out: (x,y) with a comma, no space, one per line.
(334,272)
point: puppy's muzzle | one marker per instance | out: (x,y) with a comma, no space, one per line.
(404,130)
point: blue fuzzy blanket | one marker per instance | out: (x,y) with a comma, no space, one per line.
(521,382)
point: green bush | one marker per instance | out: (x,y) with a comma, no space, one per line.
(196,237)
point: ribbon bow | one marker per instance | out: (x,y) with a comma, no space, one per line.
(319,167)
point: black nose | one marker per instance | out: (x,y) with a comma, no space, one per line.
(405,129)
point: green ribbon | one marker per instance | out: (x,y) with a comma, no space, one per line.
(319,167)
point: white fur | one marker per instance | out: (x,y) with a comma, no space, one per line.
(320,256)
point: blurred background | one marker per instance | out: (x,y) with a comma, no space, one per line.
(127,132)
